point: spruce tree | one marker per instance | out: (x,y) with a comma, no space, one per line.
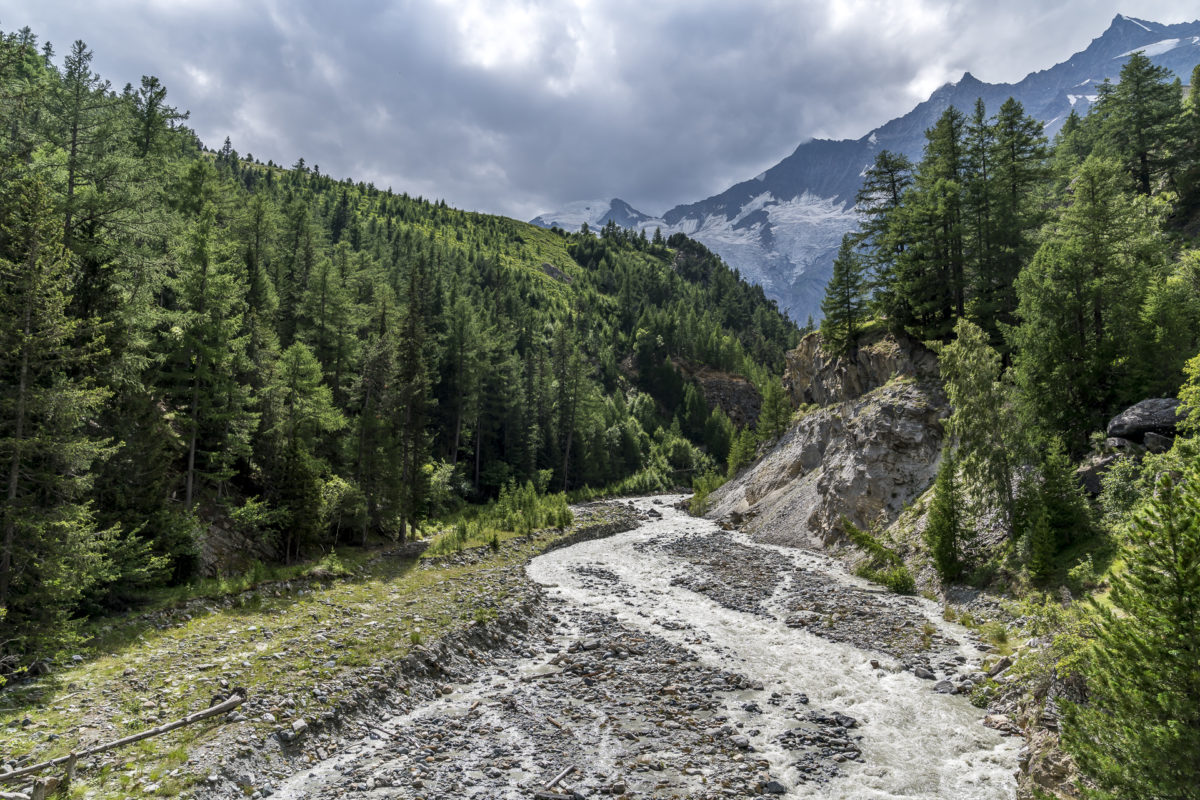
(845,302)
(1138,733)
(776,412)
(982,423)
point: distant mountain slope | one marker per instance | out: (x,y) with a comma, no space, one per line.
(782,228)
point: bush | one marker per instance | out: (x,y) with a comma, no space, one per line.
(702,487)
(884,566)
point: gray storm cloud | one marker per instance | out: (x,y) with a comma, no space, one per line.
(517,107)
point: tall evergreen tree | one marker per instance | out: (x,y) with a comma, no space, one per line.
(981,422)
(844,306)
(1139,731)
(1139,116)
(50,549)
(944,524)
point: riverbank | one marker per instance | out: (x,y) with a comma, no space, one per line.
(671,662)
(318,659)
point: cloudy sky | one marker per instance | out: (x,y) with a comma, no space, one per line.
(517,107)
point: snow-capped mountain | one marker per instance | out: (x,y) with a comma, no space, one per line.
(782,228)
(596,213)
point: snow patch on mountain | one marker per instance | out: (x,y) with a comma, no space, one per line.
(1155,49)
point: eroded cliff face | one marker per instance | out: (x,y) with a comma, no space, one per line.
(869,449)
(813,376)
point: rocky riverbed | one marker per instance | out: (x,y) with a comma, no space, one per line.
(678,660)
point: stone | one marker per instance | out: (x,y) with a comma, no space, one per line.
(774,787)
(299,727)
(1000,666)
(1157,443)
(1089,474)
(944,687)
(1158,415)
(923,673)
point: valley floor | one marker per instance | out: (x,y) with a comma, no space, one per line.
(679,660)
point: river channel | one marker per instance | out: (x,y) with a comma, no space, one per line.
(681,660)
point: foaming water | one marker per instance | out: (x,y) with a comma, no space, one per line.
(916,743)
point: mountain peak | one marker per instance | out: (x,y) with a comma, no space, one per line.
(1122,22)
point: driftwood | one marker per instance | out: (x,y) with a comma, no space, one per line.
(221,708)
(558,778)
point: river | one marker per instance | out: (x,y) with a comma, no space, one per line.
(679,660)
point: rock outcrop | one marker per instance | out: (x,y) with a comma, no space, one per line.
(733,394)
(1157,416)
(813,376)
(871,449)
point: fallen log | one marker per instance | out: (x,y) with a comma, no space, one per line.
(221,708)
(558,778)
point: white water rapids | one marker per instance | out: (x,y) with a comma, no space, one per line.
(915,743)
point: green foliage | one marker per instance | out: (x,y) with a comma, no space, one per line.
(884,566)
(1189,397)
(743,451)
(702,487)
(982,423)
(1139,731)
(1080,298)
(944,523)
(844,306)
(776,413)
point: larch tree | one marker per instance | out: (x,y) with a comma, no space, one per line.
(50,549)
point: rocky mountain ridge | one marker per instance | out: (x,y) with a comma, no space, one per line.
(782,227)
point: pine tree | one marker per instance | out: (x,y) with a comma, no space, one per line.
(1079,300)
(1139,114)
(930,273)
(845,302)
(299,413)
(1019,171)
(776,412)
(1139,731)
(1043,543)
(944,526)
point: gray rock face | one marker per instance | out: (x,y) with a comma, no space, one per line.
(864,456)
(813,376)
(1158,415)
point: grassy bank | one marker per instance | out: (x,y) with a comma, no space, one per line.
(300,647)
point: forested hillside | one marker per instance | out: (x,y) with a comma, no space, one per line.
(191,337)
(1060,285)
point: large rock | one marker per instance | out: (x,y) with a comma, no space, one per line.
(872,448)
(864,459)
(1089,473)
(813,376)
(1158,415)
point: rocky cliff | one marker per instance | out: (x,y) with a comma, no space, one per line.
(870,448)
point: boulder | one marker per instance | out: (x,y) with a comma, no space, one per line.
(1157,415)
(1089,473)
(864,460)
(1157,443)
